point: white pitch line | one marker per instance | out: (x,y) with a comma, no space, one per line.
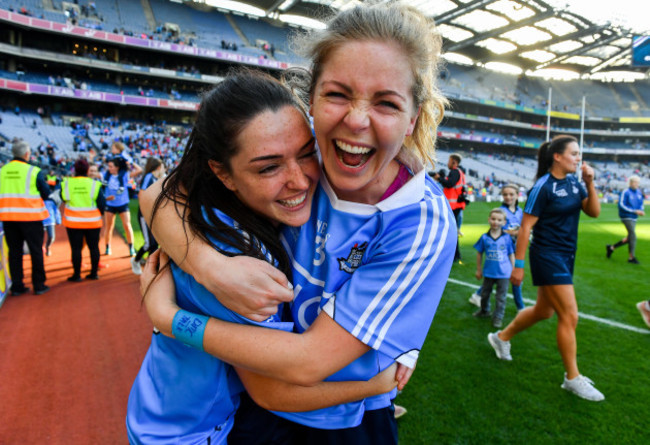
(605,321)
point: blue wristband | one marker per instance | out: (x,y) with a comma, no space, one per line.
(519,264)
(189,328)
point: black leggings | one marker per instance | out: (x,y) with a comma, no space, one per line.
(76,238)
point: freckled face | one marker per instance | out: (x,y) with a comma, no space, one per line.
(363,108)
(275,170)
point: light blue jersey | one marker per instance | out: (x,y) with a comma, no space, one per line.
(183,395)
(513,219)
(379,271)
(117,186)
(497,253)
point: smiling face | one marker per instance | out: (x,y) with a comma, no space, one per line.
(509,196)
(568,161)
(112,168)
(363,109)
(93,172)
(275,170)
(496,220)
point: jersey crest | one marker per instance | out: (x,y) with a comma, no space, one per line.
(353,260)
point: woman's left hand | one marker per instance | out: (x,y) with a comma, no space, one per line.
(403,375)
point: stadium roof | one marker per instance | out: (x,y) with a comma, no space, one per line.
(518,36)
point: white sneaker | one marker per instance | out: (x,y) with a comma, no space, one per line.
(399,411)
(645,313)
(501,348)
(582,387)
(135,266)
(475,299)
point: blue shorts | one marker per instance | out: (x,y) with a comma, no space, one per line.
(118,209)
(550,268)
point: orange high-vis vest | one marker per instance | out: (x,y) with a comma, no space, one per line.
(20,199)
(80,196)
(452,193)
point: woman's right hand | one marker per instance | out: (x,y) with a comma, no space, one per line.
(251,287)
(110,198)
(517,276)
(159,292)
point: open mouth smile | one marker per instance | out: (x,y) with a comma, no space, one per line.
(352,156)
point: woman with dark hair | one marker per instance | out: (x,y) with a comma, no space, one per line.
(370,266)
(154,169)
(117,201)
(82,217)
(552,212)
(249,166)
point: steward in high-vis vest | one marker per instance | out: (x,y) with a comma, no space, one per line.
(82,217)
(22,210)
(453,186)
(80,195)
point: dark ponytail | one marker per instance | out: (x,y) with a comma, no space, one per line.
(546,151)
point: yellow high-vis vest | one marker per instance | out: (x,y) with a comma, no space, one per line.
(20,199)
(80,196)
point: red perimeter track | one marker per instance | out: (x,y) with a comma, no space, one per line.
(68,358)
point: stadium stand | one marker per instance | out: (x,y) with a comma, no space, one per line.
(496,120)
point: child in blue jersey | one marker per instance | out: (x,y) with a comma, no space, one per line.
(370,265)
(630,207)
(553,212)
(154,169)
(237,191)
(117,201)
(54,217)
(496,244)
(514,214)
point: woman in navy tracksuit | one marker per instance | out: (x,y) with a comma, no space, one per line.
(630,207)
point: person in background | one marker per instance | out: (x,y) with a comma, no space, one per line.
(453,184)
(514,214)
(117,202)
(23,189)
(118,149)
(552,212)
(82,217)
(154,169)
(53,218)
(630,207)
(499,252)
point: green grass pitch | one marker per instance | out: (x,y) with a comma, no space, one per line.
(462,394)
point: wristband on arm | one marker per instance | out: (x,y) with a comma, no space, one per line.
(189,328)
(519,264)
